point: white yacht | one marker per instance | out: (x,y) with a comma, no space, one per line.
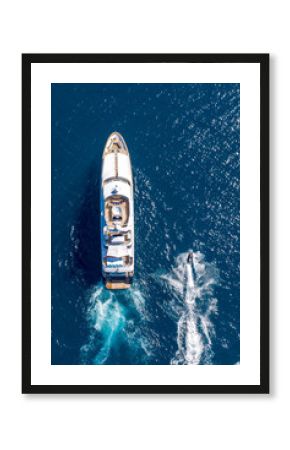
(117,214)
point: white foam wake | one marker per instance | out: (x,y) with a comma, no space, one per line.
(193,286)
(110,318)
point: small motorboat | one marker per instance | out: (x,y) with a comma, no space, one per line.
(190,258)
(117,214)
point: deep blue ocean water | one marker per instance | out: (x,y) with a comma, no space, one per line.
(184,142)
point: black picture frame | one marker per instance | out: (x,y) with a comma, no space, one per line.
(27,61)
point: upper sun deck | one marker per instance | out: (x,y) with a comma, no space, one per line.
(116,211)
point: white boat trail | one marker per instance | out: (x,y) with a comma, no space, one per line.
(111,319)
(192,282)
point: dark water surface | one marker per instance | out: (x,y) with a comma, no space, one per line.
(184,145)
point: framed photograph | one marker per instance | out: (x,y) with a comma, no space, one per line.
(145,228)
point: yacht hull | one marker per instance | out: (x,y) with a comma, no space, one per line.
(117,214)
